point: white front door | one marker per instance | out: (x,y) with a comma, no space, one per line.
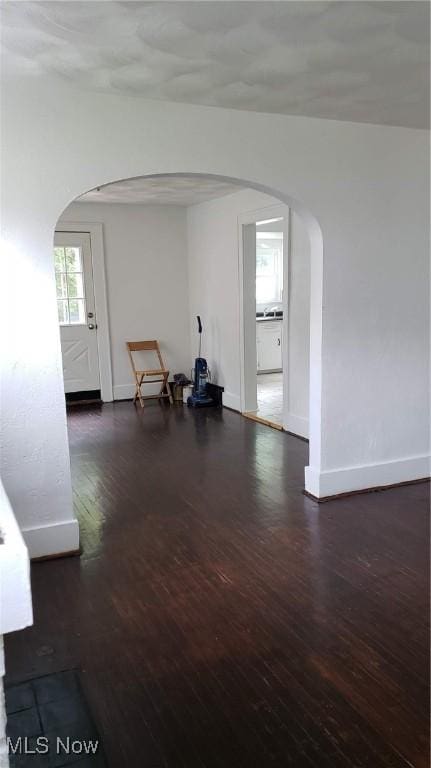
(76,311)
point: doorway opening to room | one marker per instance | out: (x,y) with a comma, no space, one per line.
(275,315)
(269,320)
(172,244)
(77,316)
(82,313)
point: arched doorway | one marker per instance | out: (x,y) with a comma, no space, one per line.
(316,252)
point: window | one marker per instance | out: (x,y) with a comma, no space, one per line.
(269,267)
(69,278)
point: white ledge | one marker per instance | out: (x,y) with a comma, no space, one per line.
(16,610)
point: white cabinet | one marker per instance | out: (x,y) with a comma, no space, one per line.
(269,345)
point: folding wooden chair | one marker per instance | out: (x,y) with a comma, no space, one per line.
(140,376)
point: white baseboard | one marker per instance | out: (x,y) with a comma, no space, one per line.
(123,391)
(54,539)
(232,401)
(298,425)
(127,391)
(334,481)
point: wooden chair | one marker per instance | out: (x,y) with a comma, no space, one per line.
(141,375)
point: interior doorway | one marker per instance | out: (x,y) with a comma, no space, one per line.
(275,316)
(77,314)
(82,312)
(214,216)
(264,255)
(270,249)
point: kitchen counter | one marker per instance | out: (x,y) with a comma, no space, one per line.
(264,319)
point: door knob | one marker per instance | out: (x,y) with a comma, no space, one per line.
(91,326)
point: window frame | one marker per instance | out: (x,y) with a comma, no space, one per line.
(278,267)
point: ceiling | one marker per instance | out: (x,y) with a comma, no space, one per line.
(160,190)
(360,61)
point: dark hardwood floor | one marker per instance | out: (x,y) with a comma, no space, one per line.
(221,618)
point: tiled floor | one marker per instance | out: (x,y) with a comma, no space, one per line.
(48,724)
(270,397)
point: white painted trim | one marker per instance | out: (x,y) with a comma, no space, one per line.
(15,590)
(123,391)
(247,318)
(4,759)
(232,401)
(127,391)
(298,425)
(54,539)
(331,482)
(95,231)
(286,315)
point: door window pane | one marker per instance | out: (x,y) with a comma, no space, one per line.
(63,312)
(69,280)
(59,260)
(60,281)
(75,285)
(76,311)
(73,260)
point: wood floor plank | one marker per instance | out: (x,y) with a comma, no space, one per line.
(222,618)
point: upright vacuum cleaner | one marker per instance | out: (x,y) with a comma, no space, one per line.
(201,375)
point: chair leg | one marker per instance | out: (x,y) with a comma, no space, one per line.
(168,390)
(138,393)
(162,387)
(165,390)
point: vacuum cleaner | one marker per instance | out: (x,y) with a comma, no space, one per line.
(201,376)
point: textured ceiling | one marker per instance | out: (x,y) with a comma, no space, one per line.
(361,61)
(160,190)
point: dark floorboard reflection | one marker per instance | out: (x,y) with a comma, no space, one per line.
(220,617)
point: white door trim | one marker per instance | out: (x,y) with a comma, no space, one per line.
(247,364)
(95,231)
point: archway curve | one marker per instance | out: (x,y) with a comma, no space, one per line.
(316,292)
(314,229)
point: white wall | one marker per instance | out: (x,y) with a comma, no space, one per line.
(4,759)
(146,277)
(147,280)
(366,188)
(214,293)
(16,610)
(298,346)
(212,229)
